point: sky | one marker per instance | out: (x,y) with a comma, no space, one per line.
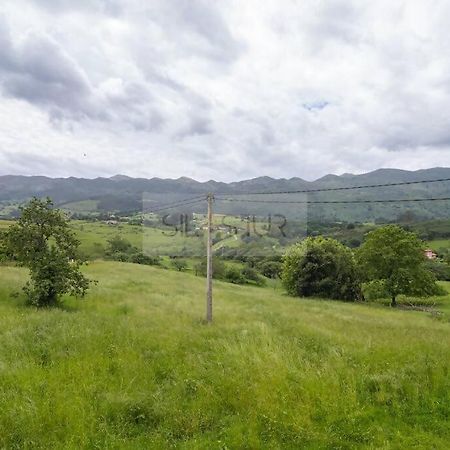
(223,90)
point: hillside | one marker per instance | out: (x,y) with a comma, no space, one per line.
(124,194)
(133,366)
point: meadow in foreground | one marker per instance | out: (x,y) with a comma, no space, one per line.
(134,366)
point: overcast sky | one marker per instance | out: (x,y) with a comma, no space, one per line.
(224,89)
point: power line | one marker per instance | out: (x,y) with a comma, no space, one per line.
(345,188)
(197,199)
(335,201)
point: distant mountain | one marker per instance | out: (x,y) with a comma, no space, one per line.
(120,177)
(122,193)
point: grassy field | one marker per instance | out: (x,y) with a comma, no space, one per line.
(439,244)
(94,237)
(83,206)
(133,366)
(5,224)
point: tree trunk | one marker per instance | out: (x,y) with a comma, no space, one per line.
(393,302)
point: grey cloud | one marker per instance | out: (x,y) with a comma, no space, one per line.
(202,18)
(42,73)
(197,126)
(196,28)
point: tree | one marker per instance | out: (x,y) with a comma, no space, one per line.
(42,241)
(118,244)
(251,274)
(218,268)
(234,275)
(270,269)
(394,257)
(321,267)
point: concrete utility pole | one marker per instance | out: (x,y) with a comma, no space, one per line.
(209,267)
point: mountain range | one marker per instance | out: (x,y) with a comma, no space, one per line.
(120,194)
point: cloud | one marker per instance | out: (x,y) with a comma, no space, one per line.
(113,7)
(223,90)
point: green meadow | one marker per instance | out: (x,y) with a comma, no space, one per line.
(94,238)
(439,244)
(133,366)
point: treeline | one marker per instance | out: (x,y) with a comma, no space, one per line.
(389,263)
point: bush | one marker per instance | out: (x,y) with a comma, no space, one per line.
(118,244)
(321,267)
(270,269)
(179,264)
(440,270)
(218,268)
(234,275)
(121,257)
(374,290)
(141,258)
(250,274)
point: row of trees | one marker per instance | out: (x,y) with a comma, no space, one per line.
(391,258)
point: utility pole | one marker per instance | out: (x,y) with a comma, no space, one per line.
(209,266)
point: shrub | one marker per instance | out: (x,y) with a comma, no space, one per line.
(141,258)
(374,290)
(218,268)
(234,275)
(440,270)
(118,244)
(321,267)
(250,274)
(270,269)
(179,264)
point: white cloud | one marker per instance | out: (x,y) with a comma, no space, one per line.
(223,90)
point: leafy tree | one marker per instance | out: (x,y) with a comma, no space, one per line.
(270,269)
(118,244)
(218,268)
(234,275)
(251,274)
(395,257)
(321,267)
(42,241)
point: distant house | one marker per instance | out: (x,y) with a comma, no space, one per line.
(430,254)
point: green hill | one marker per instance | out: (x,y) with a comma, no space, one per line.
(133,366)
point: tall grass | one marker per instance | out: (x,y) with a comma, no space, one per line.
(133,366)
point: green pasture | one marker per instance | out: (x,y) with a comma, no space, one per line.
(133,366)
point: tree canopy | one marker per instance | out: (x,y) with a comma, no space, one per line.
(42,241)
(395,258)
(321,267)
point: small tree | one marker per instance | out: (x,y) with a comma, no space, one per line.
(270,269)
(118,244)
(180,265)
(218,268)
(42,241)
(395,258)
(321,267)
